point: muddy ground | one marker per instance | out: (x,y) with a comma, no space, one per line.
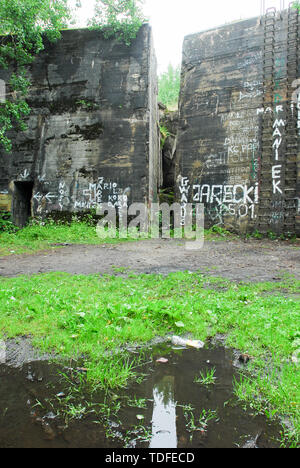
(238,260)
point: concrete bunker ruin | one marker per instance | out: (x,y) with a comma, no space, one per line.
(239,124)
(93,134)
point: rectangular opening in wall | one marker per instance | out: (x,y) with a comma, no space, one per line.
(22,203)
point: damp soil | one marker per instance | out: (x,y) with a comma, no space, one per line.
(238,260)
(166,409)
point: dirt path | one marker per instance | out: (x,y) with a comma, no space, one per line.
(237,260)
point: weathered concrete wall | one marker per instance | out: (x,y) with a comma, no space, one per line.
(169,121)
(93,132)
(237,140)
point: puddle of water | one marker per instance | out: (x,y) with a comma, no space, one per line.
(164,433)
(167,410)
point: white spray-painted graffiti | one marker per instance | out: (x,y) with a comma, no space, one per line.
(225,194)
(242,146)
(184,188)
(239,148)
(63,199)
(94,195)
(251,90)
(88,198)
(220,200)
(298,205)
(277,214)
(250,59)
(238,165)
(278,126)
(24,175)
(232,200)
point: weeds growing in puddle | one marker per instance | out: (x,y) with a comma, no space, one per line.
(75,411)
(137,403)
(193,423)
(137,433)
(206,378)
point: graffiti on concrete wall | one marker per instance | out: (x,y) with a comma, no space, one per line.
(242,145)
(219,200)
(278,139)
(184,189)
(278,132)
(100,192)
(248,60)
(278,129)
(63,199)
(237,167)
(251,90)
(24,175)
(88,197)
(227,200)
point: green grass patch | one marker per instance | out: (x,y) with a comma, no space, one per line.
(217,233)
(42,236)
(37,237)
(94,317)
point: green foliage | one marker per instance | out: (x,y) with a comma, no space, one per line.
(296,5)
(166,196)
(23,26)
(6,224)
(12,115)
(206,378)
(86,105)
(271,235)
(218,231)
(198,424)
(257,235)
(118,18)
(286,236)
(169,87)
(45,234)
(164,134)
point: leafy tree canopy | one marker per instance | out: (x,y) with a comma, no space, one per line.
(169,87)
(296,5)
(119,18)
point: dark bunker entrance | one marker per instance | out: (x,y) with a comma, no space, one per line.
(22,203)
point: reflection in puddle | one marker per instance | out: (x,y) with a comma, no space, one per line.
(164,414)
(38,408)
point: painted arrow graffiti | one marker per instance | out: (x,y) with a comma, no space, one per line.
(37,196)
(25,174)
(48,196)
